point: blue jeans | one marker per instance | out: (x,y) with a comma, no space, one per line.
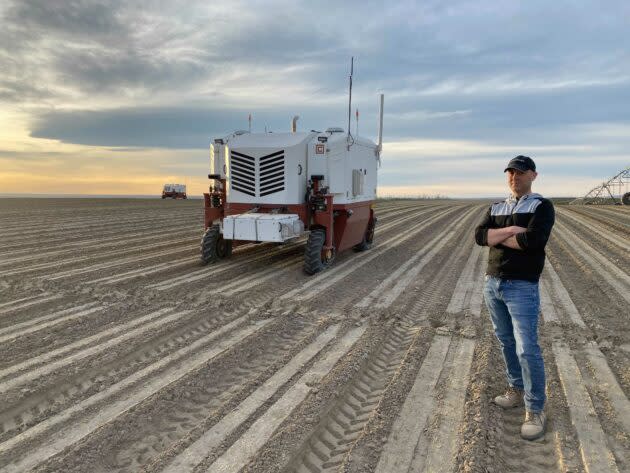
(514,306)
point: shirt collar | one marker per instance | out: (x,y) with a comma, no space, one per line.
(512,199)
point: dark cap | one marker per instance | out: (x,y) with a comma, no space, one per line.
(522,163)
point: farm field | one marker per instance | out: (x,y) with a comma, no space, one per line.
(120,353)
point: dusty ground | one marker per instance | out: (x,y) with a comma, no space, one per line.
(118,352)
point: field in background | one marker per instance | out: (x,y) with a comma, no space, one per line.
(118,352)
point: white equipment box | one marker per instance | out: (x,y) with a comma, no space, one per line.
(262,227)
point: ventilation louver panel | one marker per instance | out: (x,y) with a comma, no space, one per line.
(271,172)
(243,173)
(268,173)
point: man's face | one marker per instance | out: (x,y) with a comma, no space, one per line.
(520,182)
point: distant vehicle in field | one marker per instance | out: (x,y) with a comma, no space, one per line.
(174,191)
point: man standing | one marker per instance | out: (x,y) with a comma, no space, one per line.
(517,230)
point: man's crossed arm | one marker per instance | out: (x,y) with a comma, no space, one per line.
(505,236)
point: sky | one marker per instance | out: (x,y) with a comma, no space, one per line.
(120,97)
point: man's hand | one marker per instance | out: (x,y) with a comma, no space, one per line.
(512,242)
(498,236)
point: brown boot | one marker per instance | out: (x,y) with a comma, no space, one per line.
(512,398)
(534,425)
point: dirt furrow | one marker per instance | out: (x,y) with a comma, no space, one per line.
(328,447)
(103,239)
(138,359)
(615,245)
(606,269)
(181,409)
(80,230)
(617,221)
(234,264)
(124,243)
(33,446)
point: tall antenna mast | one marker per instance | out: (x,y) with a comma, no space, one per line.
(350,96)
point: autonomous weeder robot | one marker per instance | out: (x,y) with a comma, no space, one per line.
(275,187)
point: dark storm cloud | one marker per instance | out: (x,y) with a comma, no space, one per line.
(74,19)
(534,118)
(150,127)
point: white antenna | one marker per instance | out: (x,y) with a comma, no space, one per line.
(380,126)
(350,97)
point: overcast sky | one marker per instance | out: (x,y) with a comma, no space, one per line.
(119,97)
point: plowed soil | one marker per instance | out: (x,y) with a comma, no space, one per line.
(119,352)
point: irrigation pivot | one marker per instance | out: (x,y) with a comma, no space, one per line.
(614,191)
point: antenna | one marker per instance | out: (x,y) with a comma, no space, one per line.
(357,115)
(350,96)
(379,147)
(249,118)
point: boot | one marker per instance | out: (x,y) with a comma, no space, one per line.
(513,397)
(534,425)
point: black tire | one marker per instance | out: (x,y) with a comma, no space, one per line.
(368,238)
(314,261)
(625,200)
(224,248)
(213,246)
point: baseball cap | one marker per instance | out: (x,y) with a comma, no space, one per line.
(522,163)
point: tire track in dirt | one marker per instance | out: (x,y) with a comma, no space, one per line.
(115,225)
(248,444)
(617,240)
(329,446)
(25,302)
(319,282)
(424,436)
(103,240)
(608,271)
(383,295)
(58,392)
(46,321)
(128,244)
(139,386)
(169,418)
(48,362)
(583,370)
(208,272)
(613,220)
(245,282)
(54,265)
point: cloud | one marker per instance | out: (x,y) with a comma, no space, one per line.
(465,81)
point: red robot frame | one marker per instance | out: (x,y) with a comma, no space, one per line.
(346,225)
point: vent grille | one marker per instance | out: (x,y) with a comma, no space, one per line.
(271,173)
(243,173)
(260,178)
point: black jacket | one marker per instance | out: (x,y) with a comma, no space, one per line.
(531,211)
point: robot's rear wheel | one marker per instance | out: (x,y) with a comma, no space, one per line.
(213,246)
